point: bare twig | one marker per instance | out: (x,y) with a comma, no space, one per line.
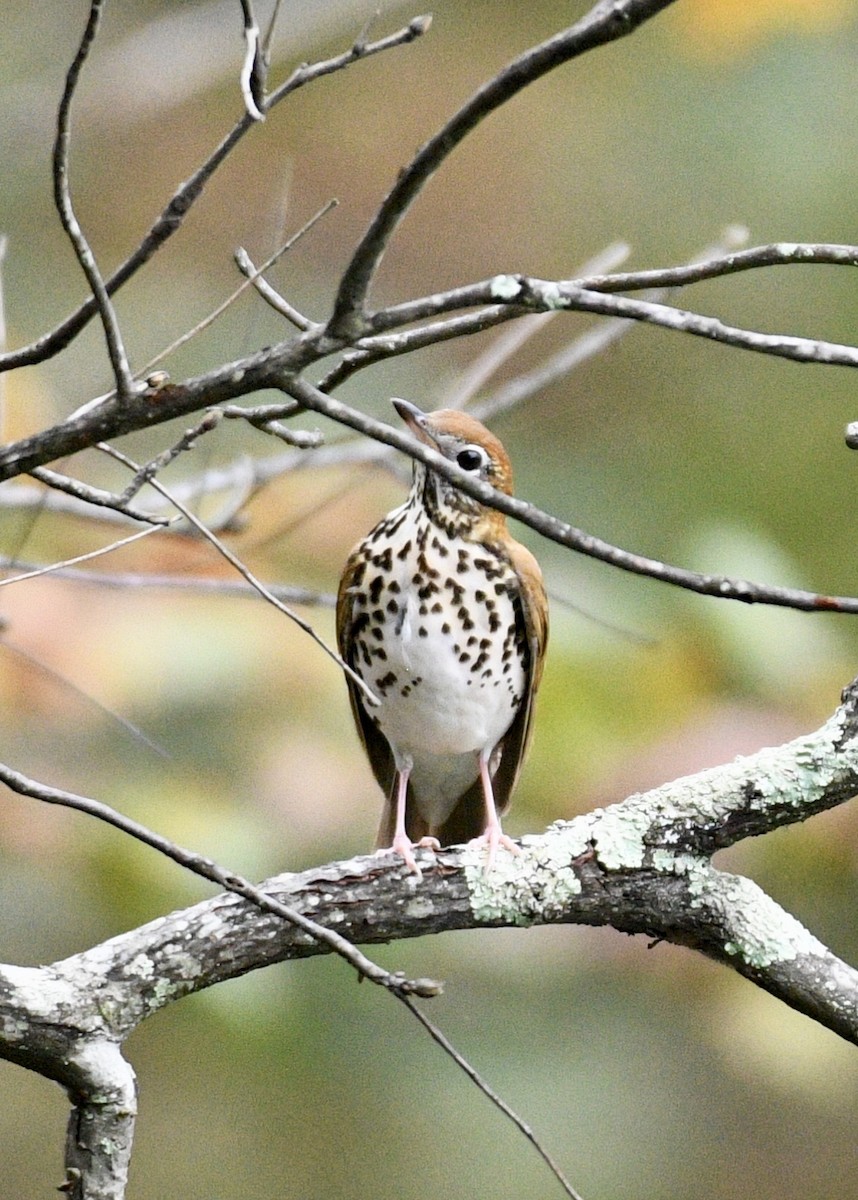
(267,417)
(62,197)
(254,67)
(606,21)
(487,364)
(253,280)
(718,586)
(269,32)
(69,685)
(186,442)
(245,572)
(174,214)
(91,495)
(206,868)
(778,254)
(269,294)
(543,295)
(203,584)
(462,1063)
(53,568)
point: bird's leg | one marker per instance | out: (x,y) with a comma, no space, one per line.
(492,836)
(402,843)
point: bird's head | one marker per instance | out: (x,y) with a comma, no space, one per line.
(464,441)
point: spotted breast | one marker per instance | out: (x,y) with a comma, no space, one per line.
(444,616)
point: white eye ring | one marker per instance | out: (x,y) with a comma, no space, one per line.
(472,458)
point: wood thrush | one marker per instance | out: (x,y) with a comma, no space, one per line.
(444,616)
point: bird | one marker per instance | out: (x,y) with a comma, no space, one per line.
(444,616)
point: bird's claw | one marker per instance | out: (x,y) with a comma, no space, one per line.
(403,846)
(492,837)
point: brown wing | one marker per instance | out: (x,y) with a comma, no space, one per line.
(531,604)
(374,743)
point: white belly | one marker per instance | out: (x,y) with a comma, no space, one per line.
(448,691)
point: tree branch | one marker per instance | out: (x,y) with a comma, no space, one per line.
(640,866)
(62,197)
(189,192)
(606,21)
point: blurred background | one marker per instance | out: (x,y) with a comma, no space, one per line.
(649,1073)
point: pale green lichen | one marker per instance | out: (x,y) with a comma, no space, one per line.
(761,932)
(552,297)
(638,832)
(505,287)
(532,886)
(617,836)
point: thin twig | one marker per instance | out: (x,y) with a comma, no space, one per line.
(269,32)
(253,68)
(251,281)
(606,21)
(180,203)
(462,1063)
(134,730)
(208,869)
(269,294)
(267,417)
(135,580)
(62,198)
(186,442)
(551,527)
(51,568)
(777,254)
(503,348)
(244,571)
(92,495)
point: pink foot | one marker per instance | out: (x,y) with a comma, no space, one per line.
(403,847)
(492,837)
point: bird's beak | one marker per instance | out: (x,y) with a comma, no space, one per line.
(416,420)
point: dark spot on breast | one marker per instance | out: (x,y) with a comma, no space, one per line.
(384,560)
(404,550)
(465,617)
(359,624)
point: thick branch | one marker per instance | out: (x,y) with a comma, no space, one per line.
(51,1027)
(640,866)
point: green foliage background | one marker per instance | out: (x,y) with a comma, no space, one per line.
(648,1072)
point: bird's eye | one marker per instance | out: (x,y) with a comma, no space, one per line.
(472,458)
